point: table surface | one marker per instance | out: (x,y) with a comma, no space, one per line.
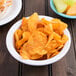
(10,67)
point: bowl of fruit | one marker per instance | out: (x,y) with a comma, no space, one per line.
(64,8)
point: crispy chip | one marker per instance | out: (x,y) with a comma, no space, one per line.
(52,44)
(36,56)
(60,47)
(24,53)
(47,29)
(24,25)
(64,39)
(32,22)
(57,37)
(58,26)
(25,38)
(36,43)
(45,21)
(40,24)
(18,35)
(52,53)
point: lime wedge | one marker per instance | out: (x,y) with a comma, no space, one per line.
(61,6)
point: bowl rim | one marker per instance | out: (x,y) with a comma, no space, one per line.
(13,52)
(61,14)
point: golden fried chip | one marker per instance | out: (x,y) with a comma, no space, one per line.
(45,21)
(18,34)
(40,24)
(57,37)
(24,25)
(52,53)
(32,22)
(36,43)
(64,39)
(58,26)
(24,53)
(47,29)
(52,44)
(36,56)
(60,47)
(25,38)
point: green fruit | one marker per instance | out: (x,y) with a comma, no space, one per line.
(61,6)
(70,2)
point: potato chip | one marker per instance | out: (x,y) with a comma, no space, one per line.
(24,25)
(40,24)
(52,53)
(18,34)
(58,26)
(36,43)
(47,29)
(45,21)
(36,56)
(60,47)
(64,39)
(32,22)
(52,44)
(24,54)
(57,37)
(25,37)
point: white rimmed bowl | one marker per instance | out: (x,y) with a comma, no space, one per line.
(13,52)
(11,12)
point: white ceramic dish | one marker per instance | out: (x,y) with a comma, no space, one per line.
(11,12)
(12,51)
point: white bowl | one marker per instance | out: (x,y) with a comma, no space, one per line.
(11,12)
(13,52)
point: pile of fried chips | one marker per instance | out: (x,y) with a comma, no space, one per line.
(40,39)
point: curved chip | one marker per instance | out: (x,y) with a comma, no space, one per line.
(25,38)
(58,26)
(32,22)
(24,25)
(24,53)
(64,39)
(18,34)
(52,53)
(36,43)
